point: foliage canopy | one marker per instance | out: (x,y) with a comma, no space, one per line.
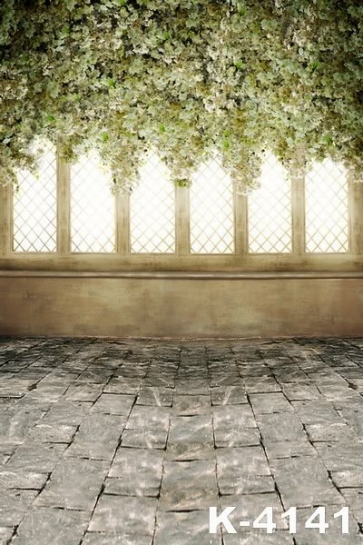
(185,77)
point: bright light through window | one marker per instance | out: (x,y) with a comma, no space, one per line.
(269,211)
(326,204)
(152,210)
(92,207)
(35,206)
(211,210)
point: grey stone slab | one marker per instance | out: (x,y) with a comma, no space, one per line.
(97,437)
(56,526)
(274,402)
(304,482)
(193,386)
(331,432)
(98,538)
(289,449)
(135,472)
(21,479)
(228,395)
(52,433)
(124,514)
(14,504)
(84,392)
(354,418)
(280,427)
(40,458)
(5,534)
(148,418)
(258,538)
(144,438)
(69,413)
(354,500)
(233,434)
(15,425)
(190,528)
(113,404)
(190,451)
(191,429)
(316,412)
(249,507)
(235,465)
(301,391)
(74,484)
(238,416)
(351,478)
(154,395)
(189,485)
(261,385)
(120,385)
(341,457)
(186,405)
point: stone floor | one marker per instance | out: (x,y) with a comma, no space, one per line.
(112,442)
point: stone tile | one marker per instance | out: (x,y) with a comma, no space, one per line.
(280,427)
(240,416)
(304,482)
(301,391)
(148,418)
(186,405)
(135,472)
(52,433)
(68,413)
(5,534)
(337,457)
(84,392)
(74,484)
(154,395)
(120,385)
(261,385)
(316,412)
(228,395)
(354,499)
(184,452)
(249,507)
(14,506)
(331,432)
(184,529)
(254,538)
(191,429)
(270,403)
(189,485)
(124,515)
(21,480)
(97,538)
(289,449)
(144,438)
(113,404)
(55,526)
(36,458)
(234,465)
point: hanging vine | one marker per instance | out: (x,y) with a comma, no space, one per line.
(185,77)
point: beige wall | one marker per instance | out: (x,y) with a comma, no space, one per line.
(176,305)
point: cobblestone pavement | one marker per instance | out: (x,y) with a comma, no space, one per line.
(112,442)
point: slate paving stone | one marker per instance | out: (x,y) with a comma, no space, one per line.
(51,433)
(338,457)
(228,395)
(280,427)
(113,404)
(304,482)
(354,499)
(68,413)
(191,429)
(185,405)
(84,392)
(144,438)
(270,403)
(119,385)
(124,514)
(36,458)
(74,484)
(55,526)
(97,538)
(154,395)
(261,385)
(14,504)
(332,432)
(135,472)
(189,485)
(190,528)
(234,465)
(261,538)
(289,449)
(5,535)
(21,479)
(316,412)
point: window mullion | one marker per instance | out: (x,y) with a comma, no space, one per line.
(63,205)
(6,201)
(240,223)
(182,220)
(123,245)
(355,210)
(298,212)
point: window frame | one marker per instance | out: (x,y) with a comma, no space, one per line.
(63,259)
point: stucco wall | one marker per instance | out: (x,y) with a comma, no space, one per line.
(177,305)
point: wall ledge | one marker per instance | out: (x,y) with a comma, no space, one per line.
(181,275)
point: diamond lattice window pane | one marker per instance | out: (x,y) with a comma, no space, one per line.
(326,208)
(35,206)
(152,210)
(211,210)
(269,211)
(92,207)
